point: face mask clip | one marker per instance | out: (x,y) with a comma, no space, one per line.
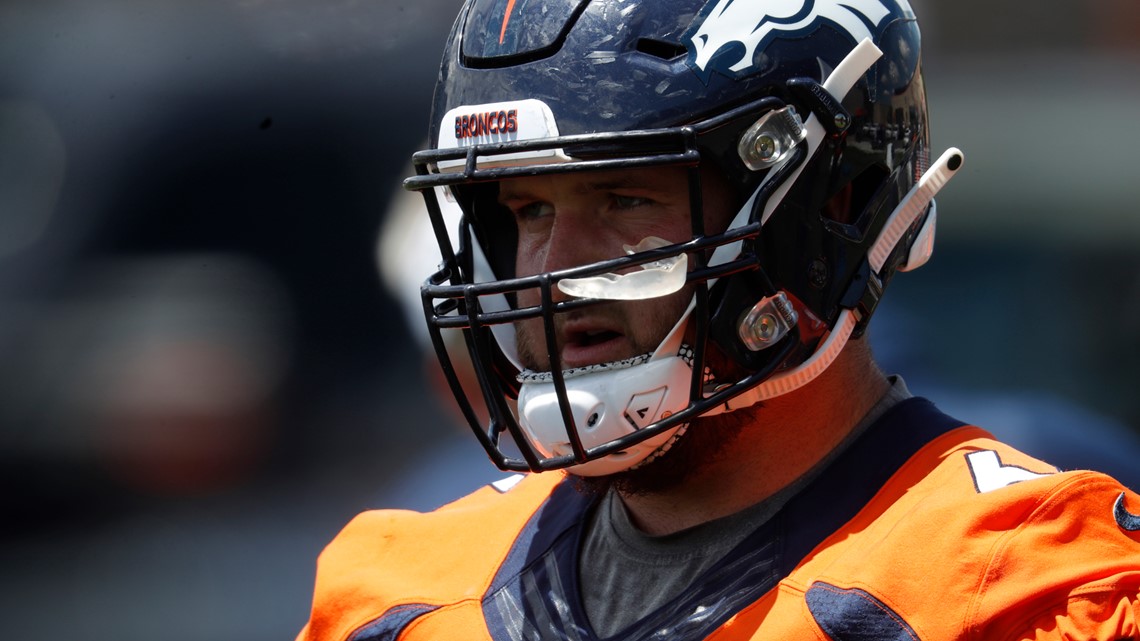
(826,107)
(767,322)
(770,140)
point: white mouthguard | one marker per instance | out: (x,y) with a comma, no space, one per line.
(658,278)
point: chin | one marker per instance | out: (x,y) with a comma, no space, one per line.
(702,445)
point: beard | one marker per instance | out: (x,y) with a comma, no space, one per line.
(703,444)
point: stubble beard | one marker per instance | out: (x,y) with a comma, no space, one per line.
(703,443)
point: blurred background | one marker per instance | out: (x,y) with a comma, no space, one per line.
(203,374)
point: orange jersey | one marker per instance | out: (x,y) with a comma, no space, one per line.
(923,529)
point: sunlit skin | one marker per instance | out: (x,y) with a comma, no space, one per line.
(724,463)
(571,220)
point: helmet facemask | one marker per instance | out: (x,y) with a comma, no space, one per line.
(621,411)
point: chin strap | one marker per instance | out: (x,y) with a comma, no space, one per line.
(799,376)
(908,210)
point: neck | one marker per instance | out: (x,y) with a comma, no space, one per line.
(781,440)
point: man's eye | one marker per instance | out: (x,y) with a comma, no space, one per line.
(533,210)
(629,202)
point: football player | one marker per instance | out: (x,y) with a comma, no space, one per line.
(671,221)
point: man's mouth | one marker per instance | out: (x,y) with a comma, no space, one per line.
(593,337)
(591,346)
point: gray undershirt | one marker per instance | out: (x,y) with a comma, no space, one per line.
(626,574)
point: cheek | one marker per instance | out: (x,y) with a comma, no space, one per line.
(529,256)
(650,321)
(530,345)
(673,226)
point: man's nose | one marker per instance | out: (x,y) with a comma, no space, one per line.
(574,241)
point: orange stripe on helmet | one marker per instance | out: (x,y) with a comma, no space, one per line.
(506,20)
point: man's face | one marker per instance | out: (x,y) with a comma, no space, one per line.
(570,220)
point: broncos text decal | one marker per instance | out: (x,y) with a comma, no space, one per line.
(753,23)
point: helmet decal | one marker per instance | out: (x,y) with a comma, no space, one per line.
(506,20)
(499,122)
(495,31)
(468,125)
(486,123)
(752,24)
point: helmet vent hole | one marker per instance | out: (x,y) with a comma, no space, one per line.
(660,48)
(850,206)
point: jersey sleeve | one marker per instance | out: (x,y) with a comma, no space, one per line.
(1070,571)
(1108,611)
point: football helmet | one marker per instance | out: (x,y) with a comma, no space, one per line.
(814,112)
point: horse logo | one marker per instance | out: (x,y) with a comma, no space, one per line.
(753,23)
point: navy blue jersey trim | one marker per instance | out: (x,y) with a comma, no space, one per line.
(857,475)
(855,615)
(391,623)
(563,510)
(535,595)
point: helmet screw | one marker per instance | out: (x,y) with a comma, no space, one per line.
(842,121)
(592,421)
(817,274)
(765,328)
(766,147)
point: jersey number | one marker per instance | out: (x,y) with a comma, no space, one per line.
(990,474)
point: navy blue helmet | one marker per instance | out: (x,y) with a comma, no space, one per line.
(812,112)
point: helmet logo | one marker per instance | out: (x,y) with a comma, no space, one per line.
(472,125)
(752,24)
(486,123)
